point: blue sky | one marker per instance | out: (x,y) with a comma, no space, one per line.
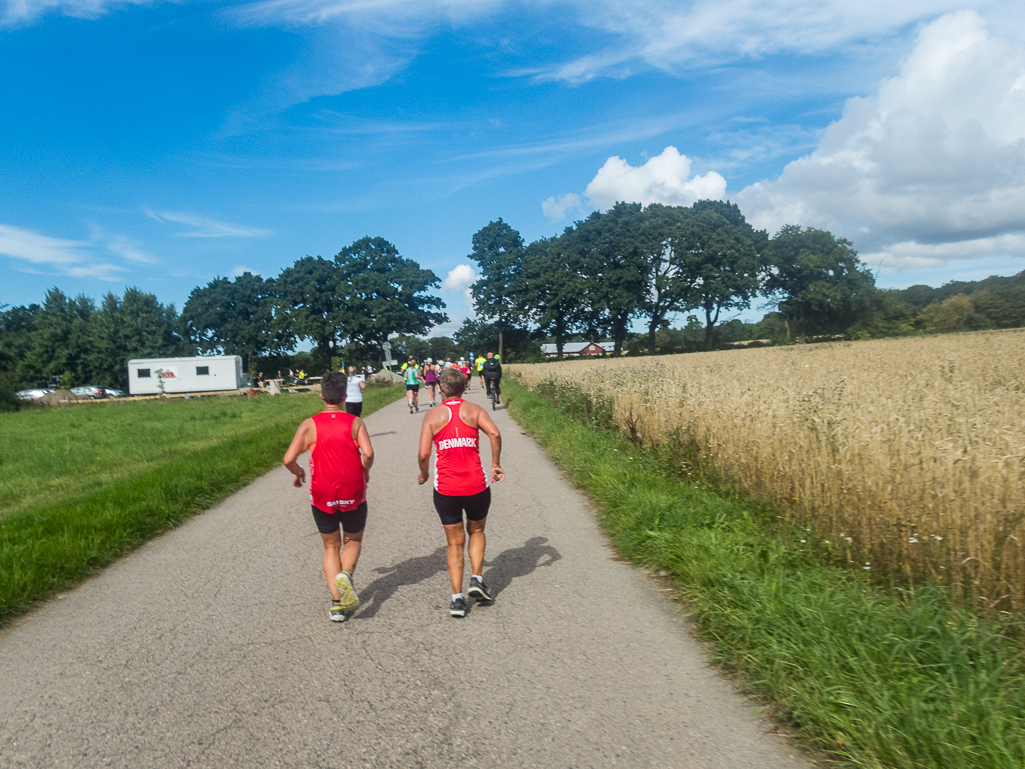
(161,145)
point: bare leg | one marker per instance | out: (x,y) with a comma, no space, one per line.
(351,550)
(409,397)
(456,542)
(332,563)
(477,544)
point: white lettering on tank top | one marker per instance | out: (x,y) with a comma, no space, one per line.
(456,443)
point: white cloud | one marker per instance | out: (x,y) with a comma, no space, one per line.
(68,257)
(460,279)
(556,209)
(203,227)
(923,256)
(664,178)
(929,168)
(24,11)
(238,271)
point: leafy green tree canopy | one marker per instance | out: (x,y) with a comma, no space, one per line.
(818,279)
(498,251)
(232,317)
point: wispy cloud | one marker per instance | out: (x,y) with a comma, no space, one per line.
(203,227)
(65,257)
(16,12)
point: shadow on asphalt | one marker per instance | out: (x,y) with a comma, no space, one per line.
(518,562)
(500,572)
(409,572)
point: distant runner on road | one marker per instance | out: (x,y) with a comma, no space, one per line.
(460,483)
(414,378)
(478,365)
(339,470)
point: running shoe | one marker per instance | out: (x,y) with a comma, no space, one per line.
(458,608)
(347,597)
(417,409)
(336,613)
(478,590)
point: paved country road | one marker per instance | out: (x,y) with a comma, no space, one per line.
(211,646)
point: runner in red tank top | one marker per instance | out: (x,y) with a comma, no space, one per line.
(340,464)
(460,483)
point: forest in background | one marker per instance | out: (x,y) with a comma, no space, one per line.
(602,277)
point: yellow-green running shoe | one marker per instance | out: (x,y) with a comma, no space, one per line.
(336,613)
(347,597)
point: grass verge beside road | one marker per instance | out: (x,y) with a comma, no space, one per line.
(96,482)
(876,677)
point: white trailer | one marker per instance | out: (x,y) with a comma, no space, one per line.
(202,373)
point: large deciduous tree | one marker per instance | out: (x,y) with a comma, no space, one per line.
(498,251)
(61,338)
(818,279)
(718,260)
(233,317)
(384,293)
(133,326)
(616,252)
(666,287)
(311,304)
(556,290)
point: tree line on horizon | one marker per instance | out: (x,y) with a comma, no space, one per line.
(632,263)
(653,263)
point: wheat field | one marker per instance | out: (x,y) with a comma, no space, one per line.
(906,454)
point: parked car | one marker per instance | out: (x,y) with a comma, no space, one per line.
(90,391)
(112,393)
(32,395)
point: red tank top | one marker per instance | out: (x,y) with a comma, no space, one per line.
(336,469)
(458,468)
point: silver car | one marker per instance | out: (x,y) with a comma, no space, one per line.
(32,395)
(89,391)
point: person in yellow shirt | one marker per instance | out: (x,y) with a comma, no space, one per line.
(479,365)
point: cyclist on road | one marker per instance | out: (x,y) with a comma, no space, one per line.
(492,372)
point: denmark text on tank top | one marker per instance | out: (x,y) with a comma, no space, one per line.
(336,469)
(458,468)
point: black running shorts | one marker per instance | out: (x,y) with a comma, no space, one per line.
(355,408)
(415,388)
(351,521)
(450,509)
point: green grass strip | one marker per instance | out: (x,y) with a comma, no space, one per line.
(54,547)
(874,677)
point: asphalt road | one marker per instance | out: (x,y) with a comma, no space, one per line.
(211,646)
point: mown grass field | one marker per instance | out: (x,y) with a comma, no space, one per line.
(81,486)
(906,457)
(875,676)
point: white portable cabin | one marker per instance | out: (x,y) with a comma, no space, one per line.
(202,373)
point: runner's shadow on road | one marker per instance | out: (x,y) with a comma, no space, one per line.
(409,572)
(518,562)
